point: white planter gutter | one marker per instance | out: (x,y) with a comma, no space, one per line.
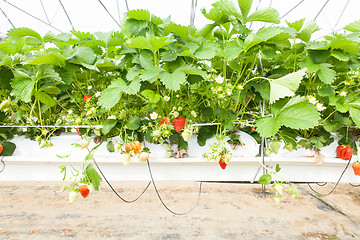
(29,163)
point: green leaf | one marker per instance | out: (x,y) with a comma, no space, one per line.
(53,58)
(228,124)
(45,98)
(151,73)
(245,6)
(207,112)
(151,95)
(180,30)
(267,126)
(260,36)
(111,95)
(285,86)
(326,91)
(297,25)
(173,80)
(307,31)
(340,56)
(108,125)
(17,33)
(139,14)
(302,115)
(168,56)
(5,77)
(265,179)
(232,50)
(133,123)
(83,35)
(8,148)
(192,70)
(50,90)
(355,116)
(22,88)
(151,42)
(85,54)
(269,15)
(93,176)
(353,27)
(229,8)
(326,74)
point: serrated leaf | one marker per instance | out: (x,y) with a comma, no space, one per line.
(285,86)
(267,126)
(340,56)
(355,116)
(45,98)
(262,35)
(151,73)
(245,6)
(173,80)
(139,14)
(232,50)
(8,148)
(85,54)
(110,146)
(326,91)
(83,35)
(108,125)
(180,30)
(151,95)
(265,179)
(326,74)
(206,30)
(133,123)
(302,115)
(229,8)
(353,27)
(297,25)
(111,95)
(17,33)
(192,70)
(53,58)
(168,56)
(103,36)
(269,15)
(93,176)
(22,88)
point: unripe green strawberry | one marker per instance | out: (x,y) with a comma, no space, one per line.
(4,104)
(279,188)
(186,134)
(72,196)
(78,121)
(38,138)
(167,147)
(228,92)
(176,114)
(220,89)
(193,114)
(289,147)
(268,151)
(122,114)
(156,133)
(220,96)
(275,146)
(43,143)
(125,158)
(97,132)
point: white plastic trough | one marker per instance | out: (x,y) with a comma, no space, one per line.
(29,163)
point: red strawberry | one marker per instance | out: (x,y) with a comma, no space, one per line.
(84,191)
(179,124)
(222,163)
(164,121)
(1,148)
(356,168)
(87,97)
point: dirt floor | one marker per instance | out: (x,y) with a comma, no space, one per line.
(38,210)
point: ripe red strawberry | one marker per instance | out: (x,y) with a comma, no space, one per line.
(1,148)
(164,121)
(84,191)
(87,97)
(222,163)
(179,124)
(356,168)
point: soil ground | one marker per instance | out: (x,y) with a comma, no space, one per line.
(38,210)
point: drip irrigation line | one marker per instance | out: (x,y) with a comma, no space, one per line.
(322,8)
(112,188)
(342,174)
(32,16)
(109,13)
(2,161)
(321,184)
(116,193)
(7,18)
(162,202)
(342,12)
(354,185)
(42,5)
(291,9)
(67,15)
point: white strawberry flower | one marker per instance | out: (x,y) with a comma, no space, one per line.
(70,111)
(153,115)
(166,98)
(112,117)
(312,100)
(320,106)
(97,94)
(89,87)
(219,79)
(343,94)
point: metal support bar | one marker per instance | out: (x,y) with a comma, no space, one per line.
(42,5)
(322,8)
(32,16)
(7,18)
(109,13)
(67,15)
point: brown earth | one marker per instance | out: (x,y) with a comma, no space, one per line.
(38,210)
